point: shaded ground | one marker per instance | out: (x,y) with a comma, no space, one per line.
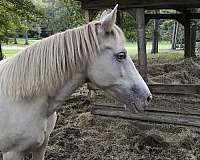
(80,135)
(84,136)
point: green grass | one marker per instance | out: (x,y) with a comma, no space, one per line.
(10,52)
(21,42)
(165,55)
(132,47)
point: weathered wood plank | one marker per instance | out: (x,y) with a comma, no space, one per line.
(190,111)
(184,89)
(171,16)
(174,89)
(153,117)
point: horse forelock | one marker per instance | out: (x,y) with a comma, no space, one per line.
(45,66)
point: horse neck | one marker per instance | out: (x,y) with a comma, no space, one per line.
(70,86)
(63,94)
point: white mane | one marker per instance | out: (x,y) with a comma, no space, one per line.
(45,66)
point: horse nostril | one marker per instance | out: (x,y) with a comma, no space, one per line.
(149,98)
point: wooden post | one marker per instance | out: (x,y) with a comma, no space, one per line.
(188,42)
(142,56)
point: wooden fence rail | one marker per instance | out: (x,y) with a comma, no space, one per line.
(152,116)
(184,89)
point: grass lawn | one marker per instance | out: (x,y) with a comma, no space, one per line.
(12,48)
(10,52)
(132,47)
(21,42)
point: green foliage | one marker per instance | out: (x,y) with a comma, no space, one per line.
(13,13)
(128,26)
(52,16)
(60,15)
(149,30)
(166,29)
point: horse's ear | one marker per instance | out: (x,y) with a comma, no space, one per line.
(108,21)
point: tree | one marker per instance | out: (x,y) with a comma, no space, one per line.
(174,35)
(60,15)
(11,14)
(156,34)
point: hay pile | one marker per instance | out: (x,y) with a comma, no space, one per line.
(183,72)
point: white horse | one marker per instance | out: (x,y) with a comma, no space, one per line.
(35,82)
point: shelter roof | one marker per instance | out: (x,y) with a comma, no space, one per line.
(148,4)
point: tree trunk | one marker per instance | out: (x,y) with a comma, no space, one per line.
(187,30)
(193,39)
(174,36)
(193,35)
(119,19)
(26,37)
(15,39)
(155,36)
(1,53)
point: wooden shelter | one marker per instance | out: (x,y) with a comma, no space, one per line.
(137,8)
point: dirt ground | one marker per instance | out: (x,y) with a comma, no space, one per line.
(79,135)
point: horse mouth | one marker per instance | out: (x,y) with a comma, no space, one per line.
(133,108)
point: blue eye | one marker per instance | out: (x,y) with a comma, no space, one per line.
(121,56)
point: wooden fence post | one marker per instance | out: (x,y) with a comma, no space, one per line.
(142,56)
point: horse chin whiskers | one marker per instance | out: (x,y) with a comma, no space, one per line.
(132,107)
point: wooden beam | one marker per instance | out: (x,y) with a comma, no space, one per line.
(171,16)
(142,56)
(178,17)
(148,116)
(147,4)
(183,89)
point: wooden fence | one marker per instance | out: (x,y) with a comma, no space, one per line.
(156,115)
